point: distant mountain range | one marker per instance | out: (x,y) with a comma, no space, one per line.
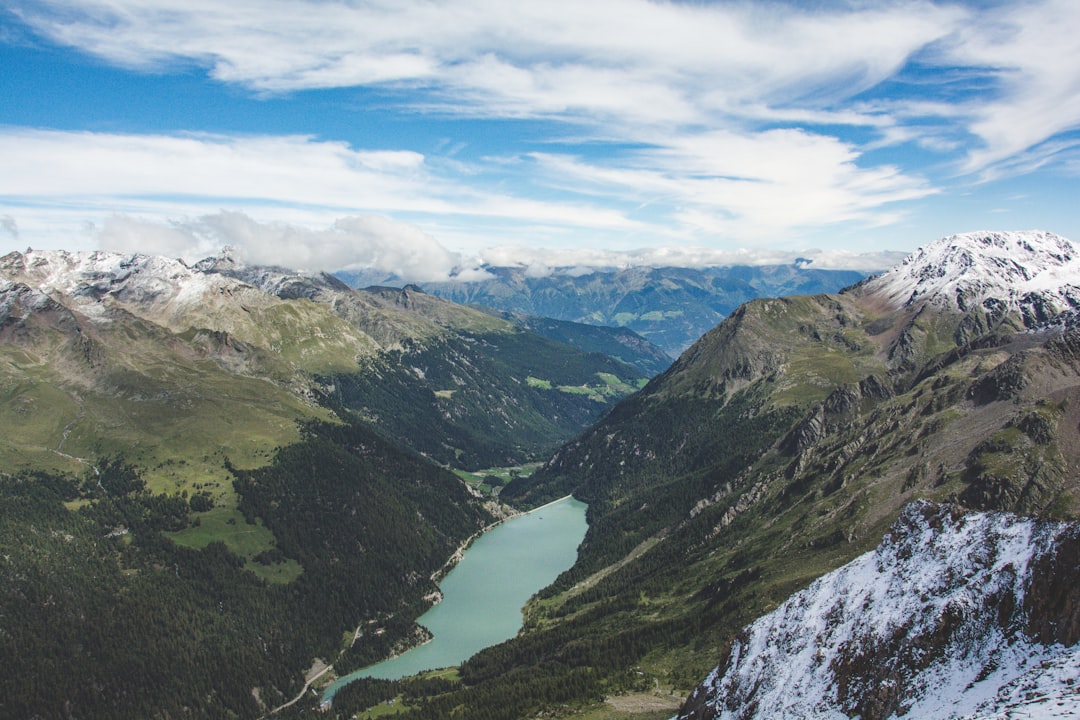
(669,306)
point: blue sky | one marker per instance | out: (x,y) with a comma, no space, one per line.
(418,137)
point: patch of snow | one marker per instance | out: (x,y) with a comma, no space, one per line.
(150,286)
(966,270)
(1049,689)
(917,622)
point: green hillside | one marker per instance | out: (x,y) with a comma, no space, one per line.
(114,619)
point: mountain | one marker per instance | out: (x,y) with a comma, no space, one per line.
(669,306)
(954,615)
(212,475)
(784,444)
(1033,274)
(114,338)
(779,447)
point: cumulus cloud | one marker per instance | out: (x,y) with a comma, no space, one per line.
(405,252)
(129,235)
(369,242)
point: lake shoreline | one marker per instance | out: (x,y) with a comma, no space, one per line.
(533,543)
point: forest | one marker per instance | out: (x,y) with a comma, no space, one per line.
(102,615)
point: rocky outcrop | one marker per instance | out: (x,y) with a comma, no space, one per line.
(955,615)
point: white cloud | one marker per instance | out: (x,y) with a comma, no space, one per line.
(125,234)
(737,186)
(57,173)
(742,114)
(540,262)
(295,169)
(350,242)
(1031,53)
(405,251)
(633,61)
(764,185)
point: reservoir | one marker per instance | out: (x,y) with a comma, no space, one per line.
(484,594)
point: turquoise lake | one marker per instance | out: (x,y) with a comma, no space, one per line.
(484,594)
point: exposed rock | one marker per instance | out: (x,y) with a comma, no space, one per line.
(844,399)
(809,431)
(874,387)
(1004,382)
(945,619)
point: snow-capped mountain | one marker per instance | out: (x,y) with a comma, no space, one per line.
(954,615)
(159,288)
(1034,272)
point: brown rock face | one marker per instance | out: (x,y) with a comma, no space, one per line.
(1052,602)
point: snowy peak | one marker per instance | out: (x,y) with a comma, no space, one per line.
(953,616)
(80,273)
(154,287)
(1034,272)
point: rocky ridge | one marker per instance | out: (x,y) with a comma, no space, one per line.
(954,615)
(1033,272)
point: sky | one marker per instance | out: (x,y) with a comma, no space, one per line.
(429,137)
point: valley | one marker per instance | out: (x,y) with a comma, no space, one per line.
(250,460)
(278,459)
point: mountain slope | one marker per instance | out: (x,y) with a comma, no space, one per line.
(953,615)
(129,608)
(139,339)
(210,475)
(456,384)
(779,447)
(620,343)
